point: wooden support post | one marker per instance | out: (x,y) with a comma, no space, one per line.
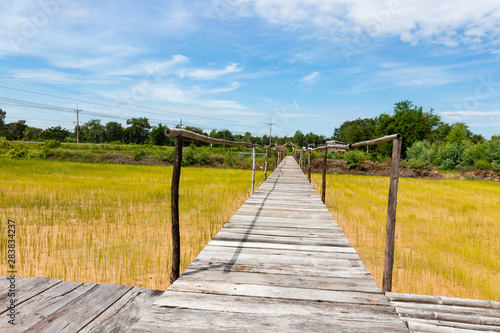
(265,165)
(253,170)
(174,196)
(309,165)
(391,216)
(323,187)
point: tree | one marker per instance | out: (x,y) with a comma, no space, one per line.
(459,132)
(31,133)
(17,129)
(113,131)
(3,114)
(356,130)
(138,130)
(409,120)
(92,131)
(54,133)
(298,138)
(157,135)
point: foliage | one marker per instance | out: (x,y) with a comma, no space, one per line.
(157,135)
(482,165)
(417,164)
(52,144)
(354,158)
(356,130)
(202,157)
(17,129)
(419,150)
(4,143)
(459,133)
(18,152)
(168,156)
(138,130)
(188,157)
(113,132)
(139,154)
(54,133)
(3,114)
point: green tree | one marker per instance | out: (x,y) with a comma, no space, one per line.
(113,131)
(17,129)
(3,114)
(54,133)
(31,133)
(138,130)
(157,135)
(92,131)
(298,138)
(409,120)
(356,130)
(459,132)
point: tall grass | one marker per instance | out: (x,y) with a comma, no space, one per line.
(447,232)
(111,223)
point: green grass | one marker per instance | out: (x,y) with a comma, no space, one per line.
(87,222)
(447,232)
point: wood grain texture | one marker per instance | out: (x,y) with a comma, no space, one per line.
(281,263)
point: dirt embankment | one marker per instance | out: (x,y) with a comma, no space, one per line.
(369,168)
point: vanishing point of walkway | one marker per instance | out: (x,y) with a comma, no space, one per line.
(281,264)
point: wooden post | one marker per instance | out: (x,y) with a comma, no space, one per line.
(253,170)
(323,187)
(174,194)
(309,165)
(265,165)
(391,216)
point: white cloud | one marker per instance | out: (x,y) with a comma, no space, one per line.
(211,74)
(311,78)
(446,22)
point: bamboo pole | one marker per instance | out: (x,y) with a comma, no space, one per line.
(188,134)
(176,239)
(391,215)
(375,141)
(309,165)
(323,186)
(253,170)
(265,165)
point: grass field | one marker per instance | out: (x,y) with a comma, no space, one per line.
(447,232)
(111,223)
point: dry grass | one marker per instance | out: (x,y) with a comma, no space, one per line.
(87,222)
(447,232)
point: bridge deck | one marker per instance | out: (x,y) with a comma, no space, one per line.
(280,264)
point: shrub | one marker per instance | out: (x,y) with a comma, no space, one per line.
(417,164)
(188,157)
(18,152)
(419,150)
(482,165)
(354,158)
(139,154)
(203,157)
(230,161)
(4,143)
(51,144)
(168,156)
(448,164)
(495,166)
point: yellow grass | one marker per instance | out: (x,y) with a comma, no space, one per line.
(447,232)
(87,222)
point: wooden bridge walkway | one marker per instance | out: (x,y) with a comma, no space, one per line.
(280,264)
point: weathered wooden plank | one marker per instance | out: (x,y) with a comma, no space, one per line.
(82,310)
(303,247)
(120,316)
(167,320)
(28,288)
(44,304)
(284,232)
(356,283)
(249,238)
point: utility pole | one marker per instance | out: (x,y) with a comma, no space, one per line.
(180,124)
(77,110)
(270,126)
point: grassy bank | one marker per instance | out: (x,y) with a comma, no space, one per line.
(111,223)
(447,232)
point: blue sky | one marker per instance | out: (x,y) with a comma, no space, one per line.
(237,64)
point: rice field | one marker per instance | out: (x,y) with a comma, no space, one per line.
(111,223)
(447,232)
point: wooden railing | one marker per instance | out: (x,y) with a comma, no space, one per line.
(279,153)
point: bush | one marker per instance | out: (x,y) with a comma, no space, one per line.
(188,157)
(417,164)
(51,144)
(230,161)
(139,154)
(354,158)
(448,164)
(19,151)
(4,143)
(482,165)
(203,157)
(419,150)
(495,166)
(471,154)
(168,156)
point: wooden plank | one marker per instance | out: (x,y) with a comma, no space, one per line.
(28,288)
(82,310)
(161,319)
(125,312)
(30,312)
(283,280)
(263,245)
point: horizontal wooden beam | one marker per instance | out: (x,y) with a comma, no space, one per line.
(375,141)
(195,136)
